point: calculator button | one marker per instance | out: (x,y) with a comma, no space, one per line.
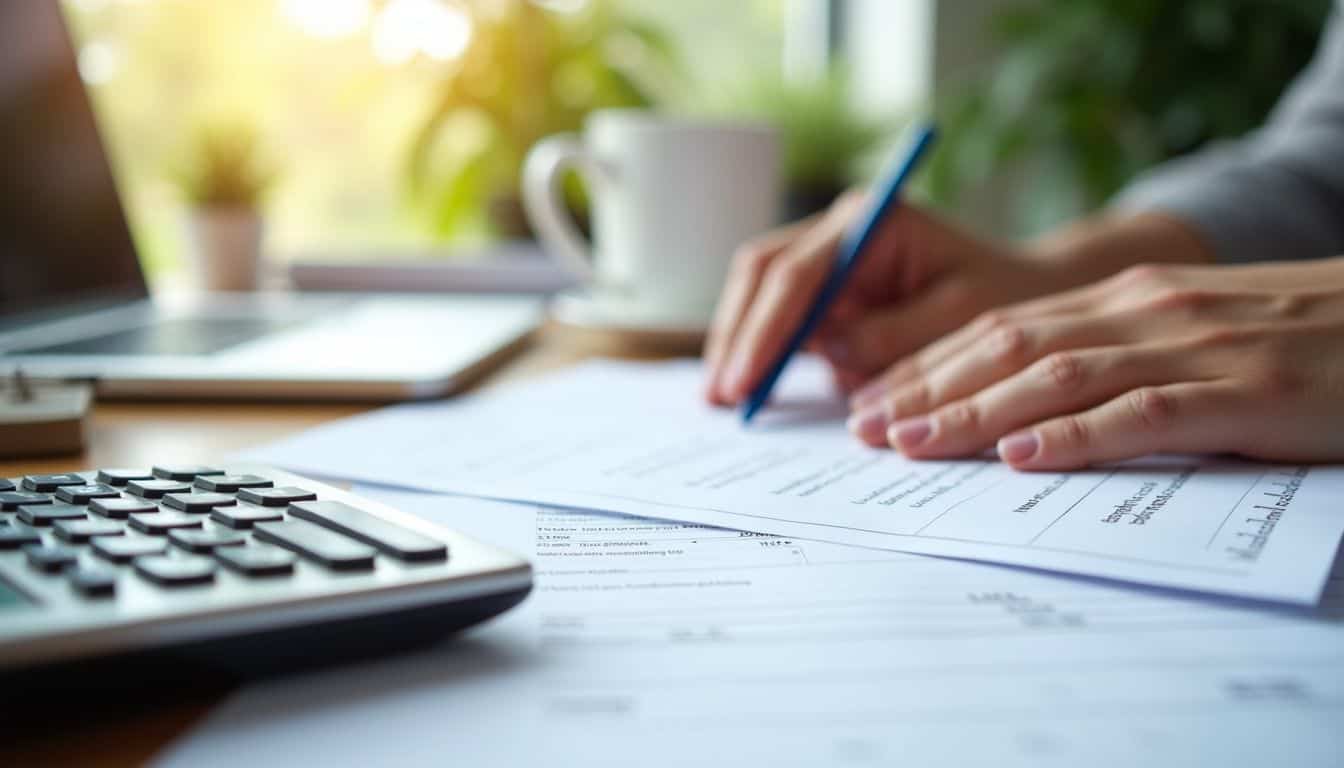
(12,501)
(176,571)
(205,541)
(231,483)
(245,516)
(257,560)
(197,502)
(49,483)
(123,549)
(45,514)
(118,509)
(275,497)
(401,543)
(161,523)
(80,531)
(15,536)
(50,557)
(83,494)
(93,581)
(5,485)
(154,489)
(123,476)
(184,471)
(317,543)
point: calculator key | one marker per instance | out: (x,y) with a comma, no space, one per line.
(156,489)
(176,571)
(123,476)
(80,531)
(184,471)
(401,543)
(161,523)
(231,483)
(205,541)
(49,483)
(257,560)
(317,543)
(275,497)
(83,494)
(5,485)
(245,515)
(118,509)
(92,580)
(12,501)
(15,536)
(197,502)
(124,549)
(50,557)
(46,514)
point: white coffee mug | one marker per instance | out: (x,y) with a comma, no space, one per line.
(672,198)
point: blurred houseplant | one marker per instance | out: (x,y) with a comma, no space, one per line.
(528,72)
(825,139)
(1086,93)
(223,174)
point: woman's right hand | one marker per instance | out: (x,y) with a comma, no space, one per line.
(921,278)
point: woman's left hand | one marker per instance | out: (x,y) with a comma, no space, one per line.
(1245,360)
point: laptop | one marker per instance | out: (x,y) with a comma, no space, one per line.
(74,302)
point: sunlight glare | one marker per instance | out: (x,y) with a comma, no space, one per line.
(327,19)
(407,27)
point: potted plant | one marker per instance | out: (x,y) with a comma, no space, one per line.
(528,72)
(224,175)
(825,139)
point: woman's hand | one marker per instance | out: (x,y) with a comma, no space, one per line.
(1245,360)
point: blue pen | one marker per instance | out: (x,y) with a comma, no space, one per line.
(846,259)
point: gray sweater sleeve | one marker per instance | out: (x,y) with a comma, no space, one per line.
(1278,193)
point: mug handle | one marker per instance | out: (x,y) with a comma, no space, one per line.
(543,198)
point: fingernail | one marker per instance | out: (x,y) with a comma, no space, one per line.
(910,433)
(868,425)
(1017,448)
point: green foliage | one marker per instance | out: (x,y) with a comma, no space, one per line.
(224,166)
(825,139)
(1089,92)
(527,73)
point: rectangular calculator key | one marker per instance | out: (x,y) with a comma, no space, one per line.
(49,483)
(245,515)
(317,543)
(122,476)
(257,560)
(46,514)
(231,483)
(15,536)
(50,557)
(401,543)
(198,501)
(184,471)
(205,541)
(93,581)
(156,489)
(80,531)
(176,571)
(15,499)
(83,494)
(160,523)
(118,509)
(123,549)
(275,497)
(5,485)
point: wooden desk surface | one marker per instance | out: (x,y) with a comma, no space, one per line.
(138,434)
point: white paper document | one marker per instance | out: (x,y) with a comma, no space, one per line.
(659,644)
(636,438)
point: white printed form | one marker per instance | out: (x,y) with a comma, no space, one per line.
(634,438)
(652,644)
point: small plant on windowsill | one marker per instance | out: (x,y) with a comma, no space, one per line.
(224,175)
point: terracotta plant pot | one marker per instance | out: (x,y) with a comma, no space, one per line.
(224,248)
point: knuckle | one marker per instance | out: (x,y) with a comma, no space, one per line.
(1072,433)
(1062,371)
(962,417)
(1145,275)
(1181,299)
(1152,408)
(1222,336)
(1008,344)
(913,398)
(751,258)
